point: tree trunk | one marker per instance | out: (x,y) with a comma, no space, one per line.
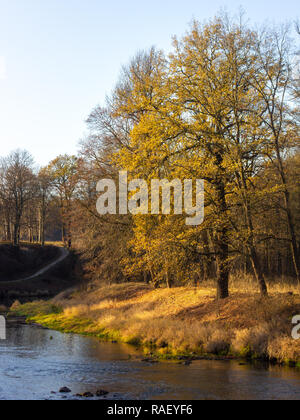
(223,269)
(8,231)
(258,271)
(222,246)
(42,226)
(250,241)
(63,233)
(16,235)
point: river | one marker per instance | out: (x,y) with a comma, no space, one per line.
(35,363)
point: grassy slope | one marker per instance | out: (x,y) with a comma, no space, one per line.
(181,321)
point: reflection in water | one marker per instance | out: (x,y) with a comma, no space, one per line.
(34,362)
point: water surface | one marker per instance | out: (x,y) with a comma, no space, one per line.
(35,362)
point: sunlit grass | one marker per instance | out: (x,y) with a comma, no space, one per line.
(38,308)
(177,321)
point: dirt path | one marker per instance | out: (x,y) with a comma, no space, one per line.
(64,253)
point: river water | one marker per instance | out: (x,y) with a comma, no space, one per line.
(35,362)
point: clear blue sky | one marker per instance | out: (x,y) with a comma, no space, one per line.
(59,58)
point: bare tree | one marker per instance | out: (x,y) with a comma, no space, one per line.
(64,177)
(44,196)
(18,182)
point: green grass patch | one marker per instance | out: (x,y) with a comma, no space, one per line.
(32,309)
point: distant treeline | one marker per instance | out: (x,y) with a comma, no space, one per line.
(32,202)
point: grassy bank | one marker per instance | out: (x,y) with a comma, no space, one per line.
(176,322)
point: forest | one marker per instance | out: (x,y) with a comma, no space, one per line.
(223,106)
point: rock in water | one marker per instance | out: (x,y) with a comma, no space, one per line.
(101,393)
(65,390)
(88,395)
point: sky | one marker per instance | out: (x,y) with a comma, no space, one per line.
(60,58)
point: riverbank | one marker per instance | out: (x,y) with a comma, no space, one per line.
(175,323)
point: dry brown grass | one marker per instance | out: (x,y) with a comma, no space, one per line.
(277,285)
(55,243)
(191,319)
